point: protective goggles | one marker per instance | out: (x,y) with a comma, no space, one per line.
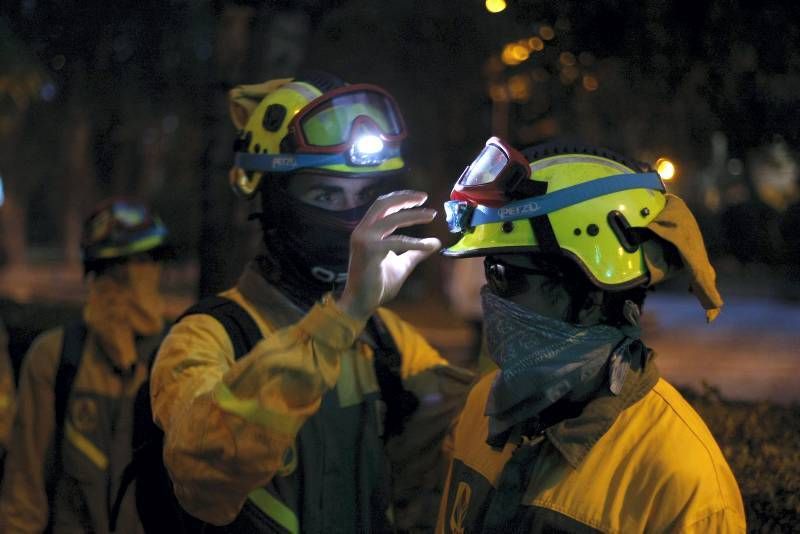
(484,192)
(334,122)
(498,170)
(356,125)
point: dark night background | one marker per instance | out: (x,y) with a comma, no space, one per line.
(100,98)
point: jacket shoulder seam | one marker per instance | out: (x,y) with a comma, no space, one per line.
(710,454)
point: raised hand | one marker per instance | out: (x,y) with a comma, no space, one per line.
(379,260)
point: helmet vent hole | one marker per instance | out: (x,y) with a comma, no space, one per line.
(645,212)
(592,229)
(508,227)
(577,231)
(626,235)
(273,117)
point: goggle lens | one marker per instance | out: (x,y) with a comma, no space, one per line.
(331,123)
(486,168)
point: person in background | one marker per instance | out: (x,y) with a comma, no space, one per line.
(72,431)
(576,431)
(335,418)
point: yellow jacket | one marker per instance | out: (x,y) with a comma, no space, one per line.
(640,462)
(231,426)
(96,444)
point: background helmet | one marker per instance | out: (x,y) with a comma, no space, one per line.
(600,234)
(316,122)
(118,228)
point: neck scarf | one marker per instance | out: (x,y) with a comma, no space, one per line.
(119,310)
(542,360)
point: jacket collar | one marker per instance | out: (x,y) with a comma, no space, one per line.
(268,299)
(575,437)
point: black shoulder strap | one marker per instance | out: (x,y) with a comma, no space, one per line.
(400,403)
(68,363)
(240,326)
(243,333)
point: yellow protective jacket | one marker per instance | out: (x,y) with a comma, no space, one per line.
(6,394)
(96,443)
(298,406)
(640,462)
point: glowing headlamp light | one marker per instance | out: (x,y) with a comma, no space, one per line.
(367,150)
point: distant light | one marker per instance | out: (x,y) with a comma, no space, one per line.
(519,52)
(567,58)
(369,144)
(590,83)
(48,91)
(569,74)
(536,44)
(508,56)
(665,168)
(498,93)
(495,6)
(2,192)
(546,32)
(519,88)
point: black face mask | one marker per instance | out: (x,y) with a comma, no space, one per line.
(319,240)
(308,248)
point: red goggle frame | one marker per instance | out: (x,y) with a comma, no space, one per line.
(496,170)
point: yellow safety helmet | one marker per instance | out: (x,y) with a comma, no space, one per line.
(318,122)
(118,228)
(583,203)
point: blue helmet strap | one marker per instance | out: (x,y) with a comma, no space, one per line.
(293,162)
(542,205)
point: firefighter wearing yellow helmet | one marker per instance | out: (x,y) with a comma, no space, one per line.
(294,401)
(575,430)
(72,432)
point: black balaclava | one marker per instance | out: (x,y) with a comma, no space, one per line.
(308,247)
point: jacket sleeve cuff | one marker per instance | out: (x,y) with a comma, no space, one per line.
(328,325)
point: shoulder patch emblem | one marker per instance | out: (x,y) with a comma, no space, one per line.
(84,414)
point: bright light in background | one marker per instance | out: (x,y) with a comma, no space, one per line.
(369,144)
(495,6)
(519,52)
(509,57)
(2,192)
(665,168)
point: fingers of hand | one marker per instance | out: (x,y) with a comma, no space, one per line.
(394,202)
(402,219)
(402,243)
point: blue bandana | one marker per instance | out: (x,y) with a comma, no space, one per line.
(542,359)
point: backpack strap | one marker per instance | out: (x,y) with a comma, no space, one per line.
(68,363)
(239,325)
(400,403)
(243,333)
